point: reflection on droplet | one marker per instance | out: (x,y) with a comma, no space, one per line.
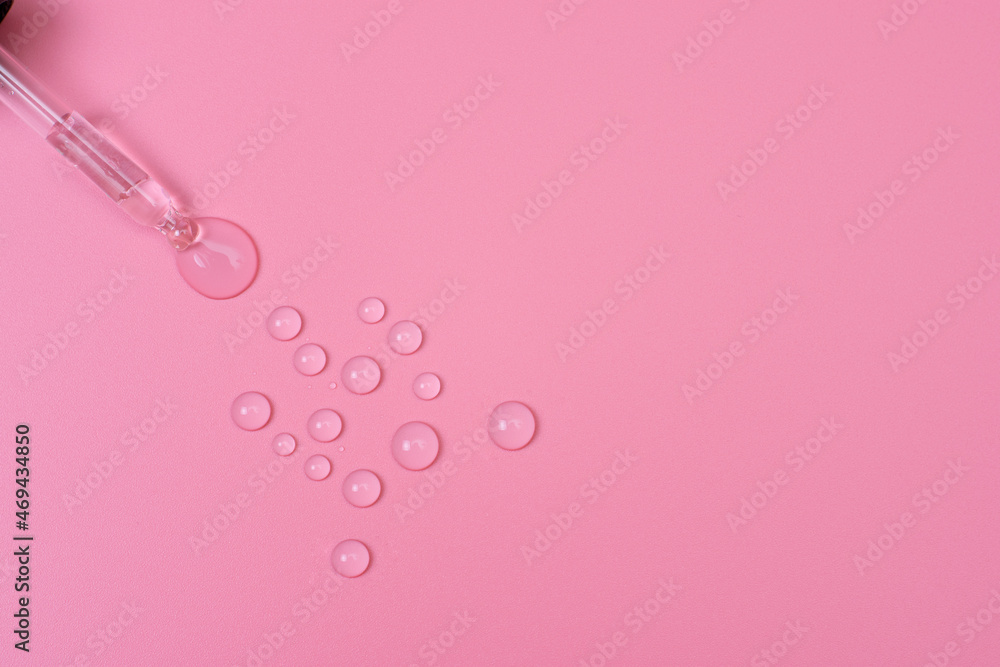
(251,411)
(284,323)
(512,425)
(318,467)
(361,375)
(283,444)
(310,359)
(362,488)
(371,310)
(405,337)
(415,445)
(350,558)
(325,425)
(427,386)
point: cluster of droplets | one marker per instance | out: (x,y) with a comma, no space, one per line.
(414,446)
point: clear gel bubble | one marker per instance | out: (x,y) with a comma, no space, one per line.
(222,262)
(283,444)
(318,467)
(405,337)
(284,323)
(362,488)
(325,425)
(427,386)
(310,359)
(512,425)
(251,411)
(350,558)
(415,445)
(371,310)
(361,375)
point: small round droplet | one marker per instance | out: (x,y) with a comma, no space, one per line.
(415,445)
(318,467)
(362,488)
(251,410)
(333,385)
(350,558)
(361,375)
(284,323)
(283,444)
(405,337)
(371,310)
(427,386)
(512,425)
(325,425)
(310,359)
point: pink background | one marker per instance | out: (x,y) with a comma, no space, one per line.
(665,517)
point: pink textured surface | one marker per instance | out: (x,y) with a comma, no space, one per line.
(496,300)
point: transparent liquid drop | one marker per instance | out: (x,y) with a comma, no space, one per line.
(333,385)
(362,488)
(361,375)
(427,386)
(251,411)
(318,467)
(371,310)
(284,323)
(415,445)
(222,263)
(512,425)
(350,558)
(283,444)
(405,337)
(309,359)
(325,425)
